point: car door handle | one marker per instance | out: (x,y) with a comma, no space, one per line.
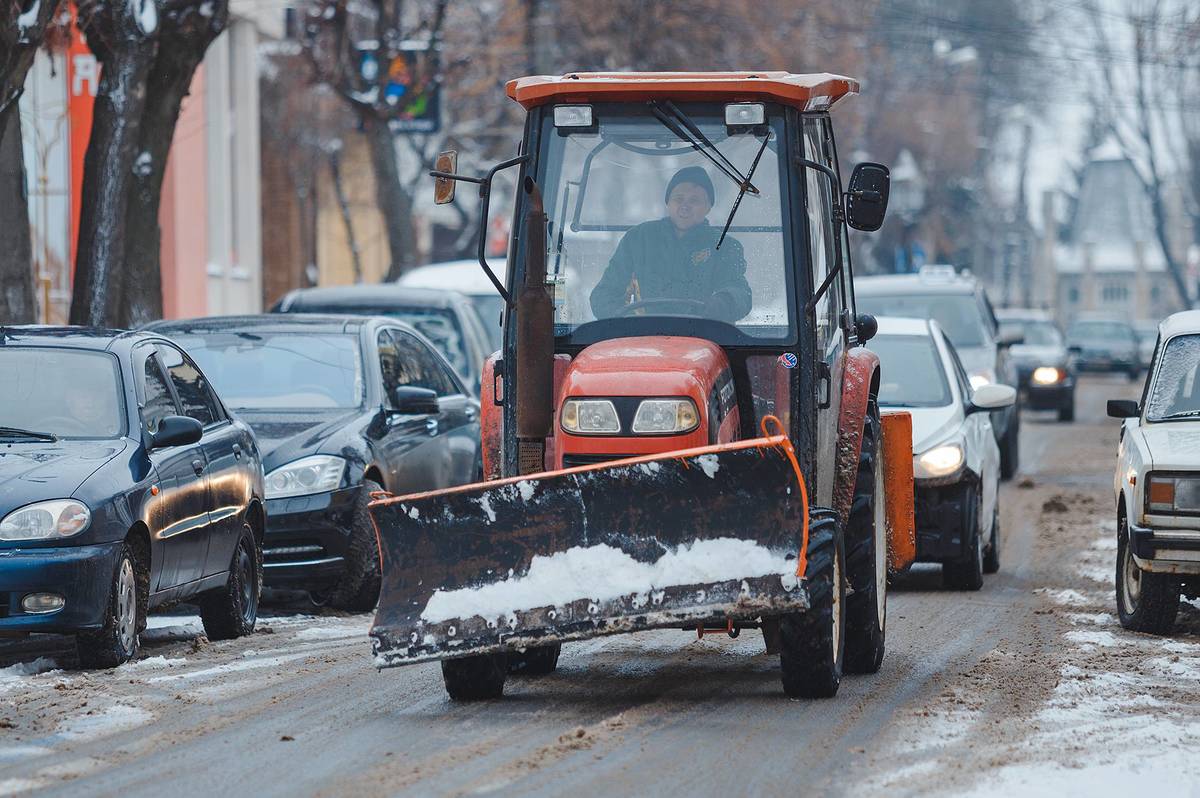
(431,426)
(237,451)
(198,466)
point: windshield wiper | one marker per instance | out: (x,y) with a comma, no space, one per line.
(49,437)
(701,145)
(742,192)
(1181,414)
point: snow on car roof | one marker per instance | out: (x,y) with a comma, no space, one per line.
(897,325)
(932,282)
(465,276)
(1186,321)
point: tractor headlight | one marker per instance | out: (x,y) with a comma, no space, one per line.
(316,474)
(981,378)
(590,417)
(59,518)
(665,416)
(940,461)
(1047,375)
(1172,494)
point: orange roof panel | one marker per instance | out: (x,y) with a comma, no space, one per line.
(816,92)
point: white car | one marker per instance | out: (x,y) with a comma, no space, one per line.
(1157,483)
(466,277)
(956,461)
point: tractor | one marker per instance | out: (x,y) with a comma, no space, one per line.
(682,428)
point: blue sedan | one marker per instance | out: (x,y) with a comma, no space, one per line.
(124,484)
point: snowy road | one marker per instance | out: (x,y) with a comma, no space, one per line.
(1027,687)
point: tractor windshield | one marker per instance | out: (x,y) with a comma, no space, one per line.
(636,204)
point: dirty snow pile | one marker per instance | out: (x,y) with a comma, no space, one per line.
(603,573)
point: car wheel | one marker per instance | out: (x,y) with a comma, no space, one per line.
(991,554)
(358,589)
(1066,412)
(231,610)
(475,678)
(812,644)
(117,640)
(866,556)
(1133,373)
(967,573)
(1146,602)
(1010,448)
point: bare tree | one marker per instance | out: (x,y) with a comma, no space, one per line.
(149,50)
(23,26)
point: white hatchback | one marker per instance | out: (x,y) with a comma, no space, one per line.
(956,461)
(1157,483)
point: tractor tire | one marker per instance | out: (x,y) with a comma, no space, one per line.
(116,641)
(1146,602)
(232,610)
(991,553)
(1010,448)
(358,589)
(534,661)
(866,555)
(812,643)
(475,678)
(967,572)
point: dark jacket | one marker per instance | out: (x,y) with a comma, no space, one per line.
(668,266)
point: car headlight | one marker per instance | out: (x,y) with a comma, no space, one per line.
(590,417)
(1047,375)
(1172,494)
(981,378)
(58,518)
(316,474)
(940,461)
(659,416)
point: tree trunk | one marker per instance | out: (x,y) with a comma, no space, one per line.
(394,202)
(339,191)
(18,304)
(108,180)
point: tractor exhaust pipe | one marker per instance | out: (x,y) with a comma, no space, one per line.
(535,343)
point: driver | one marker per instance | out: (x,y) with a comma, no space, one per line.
(675,258)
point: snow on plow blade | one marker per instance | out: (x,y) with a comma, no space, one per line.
(637,544)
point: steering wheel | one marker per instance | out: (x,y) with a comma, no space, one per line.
(649,303)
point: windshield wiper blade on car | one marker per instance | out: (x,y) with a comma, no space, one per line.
(6,432)
(1180,414)
(742,192)
(675,125)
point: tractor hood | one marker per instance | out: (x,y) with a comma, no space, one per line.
(646,366)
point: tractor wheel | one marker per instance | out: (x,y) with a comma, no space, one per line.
(812,643)
(534,661)
(1146,602)
(475,678)
(866,555)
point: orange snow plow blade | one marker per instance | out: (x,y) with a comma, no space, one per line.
(650,542)
(898,490)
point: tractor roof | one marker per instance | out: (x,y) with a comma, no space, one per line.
(816,92)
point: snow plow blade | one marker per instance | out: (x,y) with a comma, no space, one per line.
(665,541)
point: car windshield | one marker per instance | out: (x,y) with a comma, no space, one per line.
(635,215)
(1036,333)
(1106,331)
(912,372)
(266,370)
(958,314)
(1175,389)
(490,307)
(439,325)
(63,393)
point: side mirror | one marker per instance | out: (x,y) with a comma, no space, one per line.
(1075,350)
(1011,338)
(443,185)
(1123,408)
(176,431)
(866,326)
(411,401)
(867,197)
(993,397)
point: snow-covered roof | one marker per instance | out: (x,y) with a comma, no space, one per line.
(1112,218)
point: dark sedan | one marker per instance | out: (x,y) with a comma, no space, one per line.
(342,406)
(1105,344)
(1045,369)
(124,484)
(446,318)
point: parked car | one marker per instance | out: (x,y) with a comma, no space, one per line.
(959,303)
(1105,343)
(125,483)
(1045,368)
(956,461)
(465,277)
(447,318)
(343,406)
(1147,335)
(1157,483)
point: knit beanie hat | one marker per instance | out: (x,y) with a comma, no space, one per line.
(695,175)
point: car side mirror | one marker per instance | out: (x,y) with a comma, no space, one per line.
(176,431)
(866,326)
(412,401)
(1011,338)
(993,396)
(444,183)
(1123,408)
(1075,350)
(867,197)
